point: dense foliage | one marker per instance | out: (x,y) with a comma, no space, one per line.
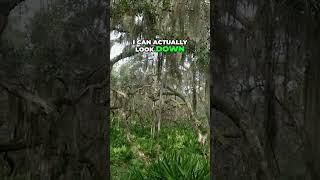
(180,157)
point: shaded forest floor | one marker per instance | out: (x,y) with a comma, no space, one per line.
(175,154)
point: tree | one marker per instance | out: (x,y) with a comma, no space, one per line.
(258,39)
(312,94)
(61,99)
(5,7)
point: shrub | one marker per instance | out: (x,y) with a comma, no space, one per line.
(175,166)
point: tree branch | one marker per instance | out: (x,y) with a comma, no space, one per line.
(124,95)
(7,5)
(127,53)
(16,146)
(245,22)
(226,108)
(239,119)
(187,104)
(46,106)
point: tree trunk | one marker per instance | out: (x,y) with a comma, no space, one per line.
(270,123)
(194,89)
(312,112)
(73,137)
(312,96)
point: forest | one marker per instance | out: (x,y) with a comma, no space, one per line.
(264,90)
(77,101)
(54,89)
(159,101)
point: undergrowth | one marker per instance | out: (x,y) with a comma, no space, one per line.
(175,154)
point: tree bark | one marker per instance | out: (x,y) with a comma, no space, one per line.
(312,102)
(270,123)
